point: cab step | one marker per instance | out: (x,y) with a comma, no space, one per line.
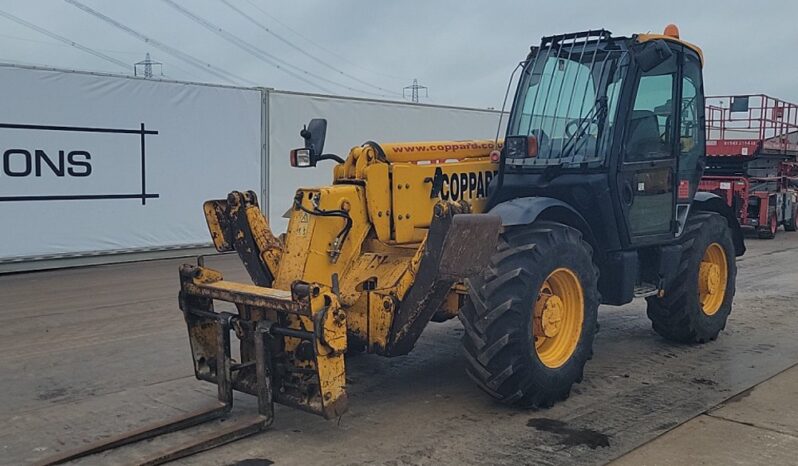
(645,290)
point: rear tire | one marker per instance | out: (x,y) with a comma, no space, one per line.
(692,309)
(791,224)
(769,232)
(546,270)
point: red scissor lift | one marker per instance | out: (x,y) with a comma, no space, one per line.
(752,159)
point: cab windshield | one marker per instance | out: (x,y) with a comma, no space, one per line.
(567,99)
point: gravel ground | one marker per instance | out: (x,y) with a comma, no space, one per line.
(91,352)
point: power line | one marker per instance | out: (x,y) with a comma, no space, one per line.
(186,72)
(414,91)
(321,47)
(260,53)
(235,40)
(63,39)
(301,50)
(47,42)
(207,67)
(25,63)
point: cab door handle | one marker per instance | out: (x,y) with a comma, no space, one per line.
(627,193)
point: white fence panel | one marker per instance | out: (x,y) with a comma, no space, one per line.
(95,164)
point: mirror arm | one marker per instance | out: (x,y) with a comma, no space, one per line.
(330,157)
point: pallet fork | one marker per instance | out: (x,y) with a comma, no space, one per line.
(224,367)
(293,339)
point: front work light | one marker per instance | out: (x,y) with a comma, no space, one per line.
(301,158)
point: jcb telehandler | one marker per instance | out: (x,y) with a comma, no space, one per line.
(591,200)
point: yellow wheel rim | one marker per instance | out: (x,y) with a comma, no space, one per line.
(558,316)
(712,277)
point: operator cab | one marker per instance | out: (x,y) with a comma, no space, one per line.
(613,127)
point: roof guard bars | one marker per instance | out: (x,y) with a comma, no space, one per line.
(599,34)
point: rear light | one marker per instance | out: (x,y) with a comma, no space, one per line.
(515,147)
(531,146)
(519,147)
(300,158)
(495,156)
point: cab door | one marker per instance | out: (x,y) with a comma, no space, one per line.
(647,172)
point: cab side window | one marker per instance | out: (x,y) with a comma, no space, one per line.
(691,132)
(649,137)
(649,133)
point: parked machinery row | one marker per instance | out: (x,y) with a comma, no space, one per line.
(752,159)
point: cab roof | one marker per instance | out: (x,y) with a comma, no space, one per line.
(671,34)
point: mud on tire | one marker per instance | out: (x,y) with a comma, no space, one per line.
(679,315)
(498,343)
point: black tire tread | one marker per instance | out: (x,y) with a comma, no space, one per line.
(677,315)
(764,232)
(494,317)
(791,224)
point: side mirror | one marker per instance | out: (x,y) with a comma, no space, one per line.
(314,134)
(652,53)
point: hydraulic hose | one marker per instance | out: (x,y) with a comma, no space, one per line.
(342,235)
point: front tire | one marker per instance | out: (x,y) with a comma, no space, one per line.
(530,320)
(697,304)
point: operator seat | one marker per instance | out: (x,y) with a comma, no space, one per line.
(644,141)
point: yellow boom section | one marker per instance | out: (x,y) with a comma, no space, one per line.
(437,150)
(368,260)
(404,181)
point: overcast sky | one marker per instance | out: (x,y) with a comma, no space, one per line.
(463,51)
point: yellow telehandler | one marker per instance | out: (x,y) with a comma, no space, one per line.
(590,199)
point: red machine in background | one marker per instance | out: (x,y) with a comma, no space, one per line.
(752,159)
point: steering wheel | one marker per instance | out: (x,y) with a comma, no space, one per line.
(573,125)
